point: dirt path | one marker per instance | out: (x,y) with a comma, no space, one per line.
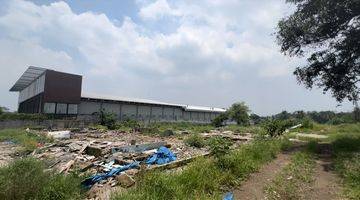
(253,187)
(326,181)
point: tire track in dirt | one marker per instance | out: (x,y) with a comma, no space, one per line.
(253,187)
(326,184)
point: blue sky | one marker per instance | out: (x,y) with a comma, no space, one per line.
(205,52)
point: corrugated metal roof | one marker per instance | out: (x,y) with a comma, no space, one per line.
(27,78)
(147,101)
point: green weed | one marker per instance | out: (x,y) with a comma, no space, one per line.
(204,178)
(28,140)
(294,180)
(26,179)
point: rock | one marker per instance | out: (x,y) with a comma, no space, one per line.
(132,172)
(125,180)
(167,133)
(93,151)
(228,132)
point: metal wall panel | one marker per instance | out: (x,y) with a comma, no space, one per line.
(128,111)
(88,107)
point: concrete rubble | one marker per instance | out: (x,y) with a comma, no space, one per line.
(97,151)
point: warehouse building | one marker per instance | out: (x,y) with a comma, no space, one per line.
(52,92)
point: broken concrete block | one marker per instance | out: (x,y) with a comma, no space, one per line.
(132,172)
(93,151)
(125,180)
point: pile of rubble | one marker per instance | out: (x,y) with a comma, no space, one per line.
(113,159)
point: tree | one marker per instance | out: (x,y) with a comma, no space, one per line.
(328,32)
(356,112)
(239,112)
(283,115)
(219,120)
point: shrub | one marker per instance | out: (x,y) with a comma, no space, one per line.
(24,116)
(219,120)
(195,140)
(307,123)
(239,112)
(107,119)
(167,133)
(27,179)
(219,146)
(276,127)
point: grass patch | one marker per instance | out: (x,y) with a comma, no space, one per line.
(204,178)
(294,180)
(26,179)
(195,140)
(28,140)
(345,140)
(346,147)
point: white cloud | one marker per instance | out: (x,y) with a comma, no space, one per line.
(213,45)
(158,9)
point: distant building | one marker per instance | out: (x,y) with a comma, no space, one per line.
(51,92)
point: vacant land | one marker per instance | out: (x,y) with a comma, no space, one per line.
(243,161)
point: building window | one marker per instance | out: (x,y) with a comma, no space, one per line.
(72,109)
(61,108)
(49,108)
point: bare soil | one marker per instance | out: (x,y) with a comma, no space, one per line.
(326,181)
(253,187)
(326,184)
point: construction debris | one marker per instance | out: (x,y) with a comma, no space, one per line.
(115,158)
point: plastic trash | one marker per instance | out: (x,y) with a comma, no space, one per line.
(59,134)
(162,156)
(228,196)
(113,172)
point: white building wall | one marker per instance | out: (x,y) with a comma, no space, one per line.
(178,114)
(156,113)
(128,111)
(168,113)
(144,113)
(88,108)
(35,88)
(111,108)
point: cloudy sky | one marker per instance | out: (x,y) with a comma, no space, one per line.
(204,52)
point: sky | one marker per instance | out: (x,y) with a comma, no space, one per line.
(204,52)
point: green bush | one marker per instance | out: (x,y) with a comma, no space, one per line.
(275,127)
(307,123)
(24,116)
(27,179)
(107,119)
(195,140)
(219,120)
(219,146)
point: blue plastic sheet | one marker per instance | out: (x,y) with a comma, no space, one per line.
(162,156)
(115,171)
(229,196)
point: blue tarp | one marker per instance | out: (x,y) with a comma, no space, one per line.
(228,196)
(162,156)
(115,171)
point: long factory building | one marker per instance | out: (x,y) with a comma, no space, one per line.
(48,91)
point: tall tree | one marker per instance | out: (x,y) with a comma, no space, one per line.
(239,112)
(327,32)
